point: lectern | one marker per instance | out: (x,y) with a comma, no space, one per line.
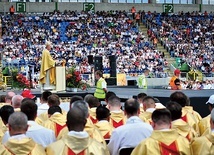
(60,78)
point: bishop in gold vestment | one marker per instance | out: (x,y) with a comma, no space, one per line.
(204,126)
(89,128)
(47,71)
(71,145)
(92,115)
(158,144)
(76,141)
(56,122)
(117,118)
(44,117)
(189,117)
(105,128)
(203,145)
(184,129)
(21,146)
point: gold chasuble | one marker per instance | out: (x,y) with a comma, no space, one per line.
(94,132)
(141,109)
(146,117)
(105,128)
(47,64)
(195,114)
(25,146)
(204,126)
(167,142)
(117,118)
(56,122)
(203,145)
(42,118)
(2,104)
(3,127)
(92,115)
(184,129)
(189,117)
(89,128)
(1,135)
(71,145)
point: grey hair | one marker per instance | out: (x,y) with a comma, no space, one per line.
(16,100)
(9,95)
(18,121)
(81,105)
(87,97)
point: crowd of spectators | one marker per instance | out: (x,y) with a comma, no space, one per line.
(189,36)
(75,35)
(196,84)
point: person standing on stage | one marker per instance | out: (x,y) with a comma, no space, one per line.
(101,86)
(175,81)
(47,71)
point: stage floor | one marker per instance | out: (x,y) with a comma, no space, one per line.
(129,92)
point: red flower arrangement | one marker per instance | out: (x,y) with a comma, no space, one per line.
(20,82)
(74,79)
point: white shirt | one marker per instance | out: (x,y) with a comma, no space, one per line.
(151,110)
(129,135)
(18,137)
(65,106)
(80,134)
(104,85)
(37,132)
(42,108)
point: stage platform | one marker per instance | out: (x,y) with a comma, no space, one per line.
(198,98)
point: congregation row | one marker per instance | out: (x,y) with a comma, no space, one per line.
(84,126)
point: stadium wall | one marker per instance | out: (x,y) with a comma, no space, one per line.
(40,7)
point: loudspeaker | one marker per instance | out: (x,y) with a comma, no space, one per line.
(112,81)
(90,59)
(132,82)
(98,63)
(113,66)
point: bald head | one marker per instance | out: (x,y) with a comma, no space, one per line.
(131,107)
(17,123)
(9,96)
(16,101)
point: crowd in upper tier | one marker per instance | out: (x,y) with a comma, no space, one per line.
(76,35)
(189,36)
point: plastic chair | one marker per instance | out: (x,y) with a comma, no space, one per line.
(126,151)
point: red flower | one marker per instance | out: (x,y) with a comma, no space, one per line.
(23,82)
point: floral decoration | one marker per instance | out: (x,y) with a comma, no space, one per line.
(19,80)
(74,79)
